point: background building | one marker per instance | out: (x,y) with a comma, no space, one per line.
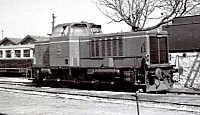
(184,44)
(17,55)
(184,34)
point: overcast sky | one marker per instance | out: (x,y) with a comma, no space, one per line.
(19,18)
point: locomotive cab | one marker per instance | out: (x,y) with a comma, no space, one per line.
(65,42)
(76,29)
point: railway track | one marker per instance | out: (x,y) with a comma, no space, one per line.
(16,83)
(144,99)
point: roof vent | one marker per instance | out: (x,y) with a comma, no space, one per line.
(83,21)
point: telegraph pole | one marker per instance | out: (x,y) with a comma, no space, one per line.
(53,22)
(53,16)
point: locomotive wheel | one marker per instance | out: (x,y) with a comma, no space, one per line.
(66,84)
(101,87)
(96,86)
(49,83)
(64,75)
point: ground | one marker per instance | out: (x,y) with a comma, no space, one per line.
(13,103)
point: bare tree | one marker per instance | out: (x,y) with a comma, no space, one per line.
(195,11)
(137,13)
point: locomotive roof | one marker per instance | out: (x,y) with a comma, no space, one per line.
(73,23)
(138,33)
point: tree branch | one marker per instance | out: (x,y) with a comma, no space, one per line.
(136,13)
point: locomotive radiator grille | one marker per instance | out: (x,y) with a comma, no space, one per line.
(101,47)
(158,50)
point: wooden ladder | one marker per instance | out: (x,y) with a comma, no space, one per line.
(194,70)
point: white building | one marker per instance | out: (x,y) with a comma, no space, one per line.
(17,54)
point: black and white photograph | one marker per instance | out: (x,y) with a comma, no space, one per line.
(99,57)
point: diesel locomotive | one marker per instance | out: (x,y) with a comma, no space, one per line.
(79,53)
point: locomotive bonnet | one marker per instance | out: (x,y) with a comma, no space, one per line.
(79,53)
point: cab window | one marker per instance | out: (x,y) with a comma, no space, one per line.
(60,31)
(79,30)
(96,31)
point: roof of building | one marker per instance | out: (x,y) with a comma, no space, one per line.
(188,16)
(186,20)
(184,34)
(16,41)
(13,41)
(36,38)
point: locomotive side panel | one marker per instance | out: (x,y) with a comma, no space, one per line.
(42,54)
(59,51)
(132,46)
(64,51)
(98,62)
(84,49)
(114,51)
(74,51)
(135,49)
(127,62)
(138,48)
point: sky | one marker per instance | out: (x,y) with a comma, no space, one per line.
(19,18)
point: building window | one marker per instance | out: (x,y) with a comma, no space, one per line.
(8,53)
(26,53)
(1,54)
(17,53)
